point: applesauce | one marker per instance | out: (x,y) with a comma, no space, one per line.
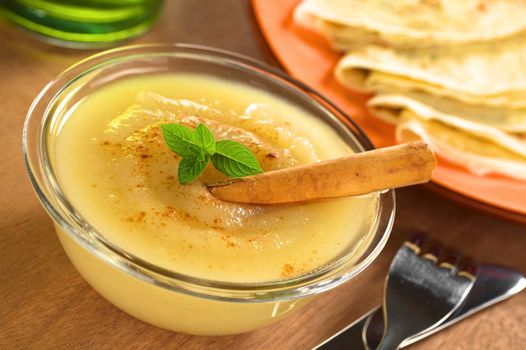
(113,164)
(170,254)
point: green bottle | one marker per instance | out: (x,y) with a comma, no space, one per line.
(83,23)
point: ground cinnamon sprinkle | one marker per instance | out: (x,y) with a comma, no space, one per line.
(287,271)
(140,216)
(108,143)
(229,242)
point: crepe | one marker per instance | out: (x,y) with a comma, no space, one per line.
(402,23)
(492,75)
(387,105)
(480,147)
(450,72)
(467,150)
(396,108)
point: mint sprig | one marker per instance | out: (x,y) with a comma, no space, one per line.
(234,159)
(197,147)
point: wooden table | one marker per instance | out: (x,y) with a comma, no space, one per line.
(45,304)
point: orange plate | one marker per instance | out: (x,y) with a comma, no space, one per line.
(308,56)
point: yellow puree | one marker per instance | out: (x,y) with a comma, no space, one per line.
(115,168)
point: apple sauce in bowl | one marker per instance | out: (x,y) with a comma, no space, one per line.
(173,255)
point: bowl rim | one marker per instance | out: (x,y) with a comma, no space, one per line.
(81,231)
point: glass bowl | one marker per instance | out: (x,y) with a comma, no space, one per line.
(154,294)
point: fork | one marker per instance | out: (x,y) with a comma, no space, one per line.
(422,290)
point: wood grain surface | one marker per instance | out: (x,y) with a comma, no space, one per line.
(45,304)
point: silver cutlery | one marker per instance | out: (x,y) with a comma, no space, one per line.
(492,284)
(420,292)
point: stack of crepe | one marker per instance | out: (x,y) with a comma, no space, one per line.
(450,72)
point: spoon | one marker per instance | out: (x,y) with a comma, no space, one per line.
(360,173)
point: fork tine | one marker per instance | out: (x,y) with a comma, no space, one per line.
(416,242)
(433,250)
(450,260)
(418,239)
(467,267)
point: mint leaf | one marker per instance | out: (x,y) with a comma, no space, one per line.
(234,159)
(204,139)
(191,167)
(197,147)
(180,139)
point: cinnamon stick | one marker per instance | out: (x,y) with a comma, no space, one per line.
(356,174)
